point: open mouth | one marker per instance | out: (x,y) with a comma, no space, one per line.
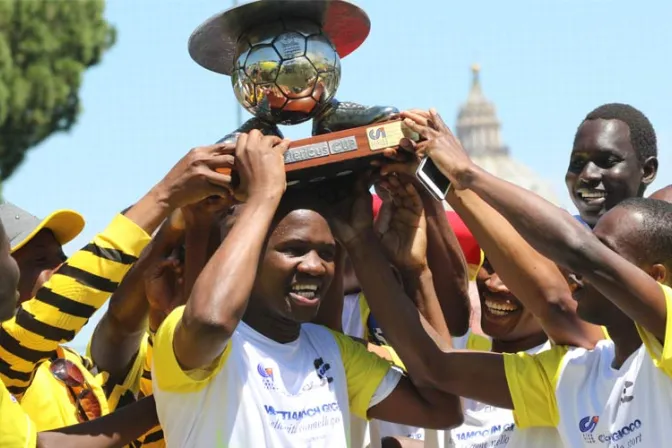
(500,308)
(304,294)
(591,196)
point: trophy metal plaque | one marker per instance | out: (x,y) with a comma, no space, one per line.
(341,153)
(283,57)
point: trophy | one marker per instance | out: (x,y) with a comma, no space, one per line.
(283,57)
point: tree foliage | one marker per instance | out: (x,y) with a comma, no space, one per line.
(45,47)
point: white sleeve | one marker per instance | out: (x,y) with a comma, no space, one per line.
(386,386)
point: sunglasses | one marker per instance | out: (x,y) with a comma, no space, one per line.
(88,406)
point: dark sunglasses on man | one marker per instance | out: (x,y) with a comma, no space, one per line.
(88,405)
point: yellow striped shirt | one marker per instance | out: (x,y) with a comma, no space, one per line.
(62,307)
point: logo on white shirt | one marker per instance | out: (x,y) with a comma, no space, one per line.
(266,374)
(625,398)
(587,425)
(321,368)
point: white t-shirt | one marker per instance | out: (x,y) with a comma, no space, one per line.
(488,426)
(261,393)
(356,322)
(591,403)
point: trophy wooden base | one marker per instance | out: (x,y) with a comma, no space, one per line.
(341,153)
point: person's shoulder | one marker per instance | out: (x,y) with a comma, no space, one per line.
(480,342)
(310,328)
(323,337)
(603,348)
(319,334)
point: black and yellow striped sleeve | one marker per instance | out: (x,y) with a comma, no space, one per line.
(66,302)
(153,439)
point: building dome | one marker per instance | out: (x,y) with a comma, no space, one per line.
(479,131)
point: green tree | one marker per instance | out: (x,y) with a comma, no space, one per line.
(45,47)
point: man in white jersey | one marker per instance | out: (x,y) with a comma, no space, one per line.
(238,366)
(618,394)
(526,303)
(518,319)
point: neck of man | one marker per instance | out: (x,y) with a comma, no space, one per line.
(626,340)
(519,345)
(274,327)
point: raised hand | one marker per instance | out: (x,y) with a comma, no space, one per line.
(441,145)
(194,178)
(164,281)
(353,216)
(261,166)
(206,211)
(405,159)
(402,226)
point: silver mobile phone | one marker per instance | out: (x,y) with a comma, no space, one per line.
(433,179)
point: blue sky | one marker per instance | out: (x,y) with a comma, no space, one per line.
(545,64)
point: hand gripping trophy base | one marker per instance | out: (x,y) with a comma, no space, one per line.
(339,116)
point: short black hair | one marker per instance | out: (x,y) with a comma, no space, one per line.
(300,198)
(654,237)
(292,199)
(642,135)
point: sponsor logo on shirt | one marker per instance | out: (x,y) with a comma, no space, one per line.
(266,374)
(625,398)
(587,426)
(322,370)
(376,335)
(302,413)
(481,433)
(307,420)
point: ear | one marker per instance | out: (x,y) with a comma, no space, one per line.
(658,272)
(649,170)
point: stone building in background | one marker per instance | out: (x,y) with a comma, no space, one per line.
(479,131)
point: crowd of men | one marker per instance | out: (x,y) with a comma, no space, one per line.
(249,314)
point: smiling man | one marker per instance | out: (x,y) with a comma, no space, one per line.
(614,158)
(242,362)
(620,392)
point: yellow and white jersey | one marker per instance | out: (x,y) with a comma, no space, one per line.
(490,426)
(261,393)
(357,322)
(591,403)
